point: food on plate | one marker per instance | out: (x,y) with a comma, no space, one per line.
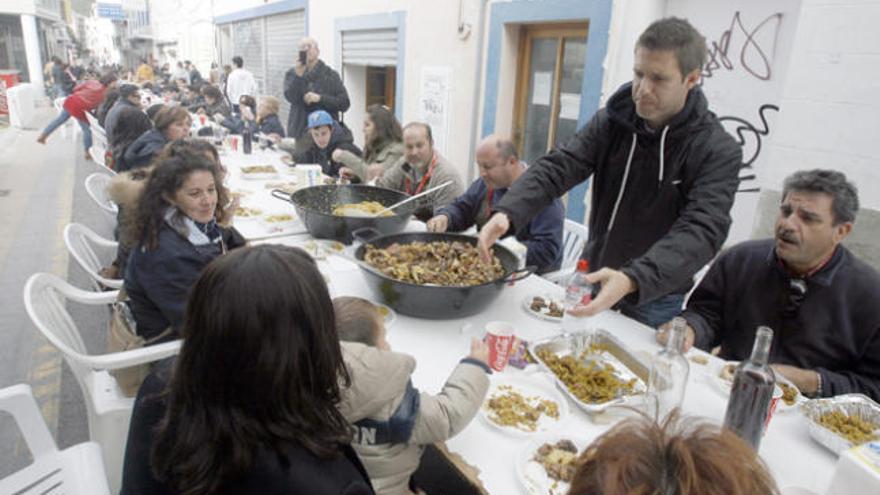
(508,407)
(558,459)
(439,262)
(727,372)
(789,393)
(259,169)
(287,187)
(383,311)
(243,211)
(852,428)
(696,358)
(594,382)
(283,217)
(546,307)
(362,209)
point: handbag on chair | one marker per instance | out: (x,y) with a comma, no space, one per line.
(123,337)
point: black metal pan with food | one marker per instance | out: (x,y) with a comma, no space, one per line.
(332,211)
(434,275)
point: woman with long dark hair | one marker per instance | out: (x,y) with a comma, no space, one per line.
(383,145)
(175,234)
(250,405)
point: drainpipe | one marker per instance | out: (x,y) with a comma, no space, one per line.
(478,79)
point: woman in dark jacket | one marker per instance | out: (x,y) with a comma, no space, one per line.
(251,404)
(131,123)
(175,233)
(325,136)
(171,123)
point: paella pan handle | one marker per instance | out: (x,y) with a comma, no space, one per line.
(283,196)
(365,234)
(520,274)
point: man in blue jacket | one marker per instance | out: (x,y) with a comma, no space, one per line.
(499,168)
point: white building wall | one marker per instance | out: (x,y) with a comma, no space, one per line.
(817,63)
(829,111)
(223,7)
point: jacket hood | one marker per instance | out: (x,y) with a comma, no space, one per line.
(149,143)
(621,110)
(378,381)
(125,188)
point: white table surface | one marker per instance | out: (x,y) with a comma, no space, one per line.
(794,459)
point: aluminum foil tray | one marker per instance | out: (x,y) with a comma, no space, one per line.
(626,363)
(857,405)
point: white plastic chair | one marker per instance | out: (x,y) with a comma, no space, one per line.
(109,410)
(75,470)
(574,238)
(70,128)
(92,252)
(99,142)
(96,186)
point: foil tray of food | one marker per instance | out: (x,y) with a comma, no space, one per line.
(594,369)
(842,422)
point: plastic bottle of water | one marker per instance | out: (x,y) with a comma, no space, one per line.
(578,291)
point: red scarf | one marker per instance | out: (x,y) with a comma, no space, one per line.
(424,180)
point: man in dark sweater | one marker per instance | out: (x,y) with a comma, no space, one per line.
(820,300)
(663,174)
(499,168)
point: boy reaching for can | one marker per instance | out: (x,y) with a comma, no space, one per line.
(390,442)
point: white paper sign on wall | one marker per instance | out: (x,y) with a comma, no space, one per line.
(434,103)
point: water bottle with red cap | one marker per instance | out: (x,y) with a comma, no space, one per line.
(578,291)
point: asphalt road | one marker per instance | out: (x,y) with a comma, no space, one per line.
(41,191)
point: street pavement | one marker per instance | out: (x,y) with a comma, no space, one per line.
(41,191)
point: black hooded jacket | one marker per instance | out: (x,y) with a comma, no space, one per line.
(340,139)
(672,214)
(142,151)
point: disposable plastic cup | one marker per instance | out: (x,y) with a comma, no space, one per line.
(499,337)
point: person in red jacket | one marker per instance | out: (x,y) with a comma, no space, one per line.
(85,98)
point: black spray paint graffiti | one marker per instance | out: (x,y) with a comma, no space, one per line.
(749,137)
(752,56)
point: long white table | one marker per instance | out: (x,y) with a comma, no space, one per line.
(794,459)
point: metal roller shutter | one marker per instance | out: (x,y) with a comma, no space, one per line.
(247,41)
(373,47)
(283,32)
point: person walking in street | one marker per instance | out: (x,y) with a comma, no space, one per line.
(311,85)
(85,98)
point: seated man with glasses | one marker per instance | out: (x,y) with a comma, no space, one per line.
(499,168)
(821,301)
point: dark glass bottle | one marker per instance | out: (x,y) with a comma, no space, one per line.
(247,140)
(752,391)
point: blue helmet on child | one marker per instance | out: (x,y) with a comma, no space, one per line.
(319,118)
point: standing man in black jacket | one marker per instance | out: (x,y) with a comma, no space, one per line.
(664,175)
(309,86)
